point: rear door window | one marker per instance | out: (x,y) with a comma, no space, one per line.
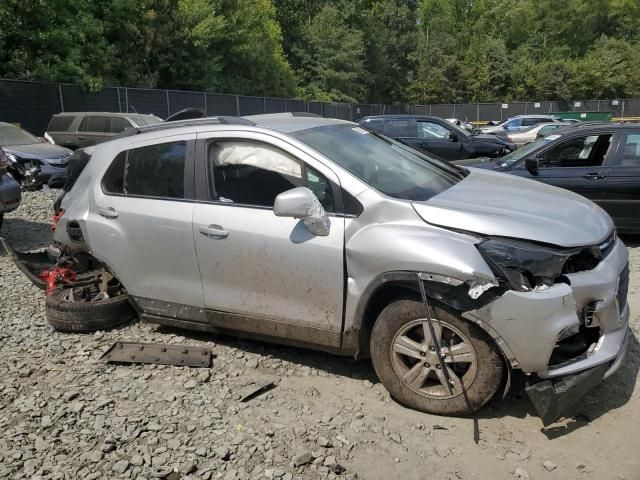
(151,171)
(95,124)
(119,124)
(60,123)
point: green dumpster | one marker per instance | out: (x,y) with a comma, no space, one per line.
(584,116)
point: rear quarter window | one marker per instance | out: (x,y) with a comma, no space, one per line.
(60,123)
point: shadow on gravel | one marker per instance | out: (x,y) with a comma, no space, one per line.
(609,395)
(332,364)
(25,234)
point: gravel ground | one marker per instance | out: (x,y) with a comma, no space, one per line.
(64,414)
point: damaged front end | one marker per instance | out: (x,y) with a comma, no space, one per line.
(563,313)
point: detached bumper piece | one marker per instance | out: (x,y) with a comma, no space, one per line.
(181,355)
(552,398)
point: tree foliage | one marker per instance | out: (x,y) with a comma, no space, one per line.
(383,51)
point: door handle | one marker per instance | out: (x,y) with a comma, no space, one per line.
(594,176)
(82,138)
(213,231)
(108,212)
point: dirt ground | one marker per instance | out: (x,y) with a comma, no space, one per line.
(66,415)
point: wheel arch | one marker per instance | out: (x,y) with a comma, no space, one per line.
(390,286)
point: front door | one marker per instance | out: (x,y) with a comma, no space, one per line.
(623,186)
(141,224)
(577,164)
(264,274)
(437,139)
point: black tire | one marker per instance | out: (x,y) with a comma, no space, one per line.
(474,392)
(84,317)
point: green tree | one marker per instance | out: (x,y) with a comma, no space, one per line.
(390,36)
(334,67)
(53,40)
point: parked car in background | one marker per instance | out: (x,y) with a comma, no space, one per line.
(446,277)
(519,122)
(437,136)
(531,134)
(600,162)
(461,124)
(9,188)
(82,129)
(33,162)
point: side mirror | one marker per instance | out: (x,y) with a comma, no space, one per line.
(453,136)
(301,203)
(533,165)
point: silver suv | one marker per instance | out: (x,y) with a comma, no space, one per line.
(82,129)
(317,232)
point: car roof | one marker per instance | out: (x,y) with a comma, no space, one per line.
(398,117)
(104,114)
(595,128)
(288,123)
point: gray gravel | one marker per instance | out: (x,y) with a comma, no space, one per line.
(65,415)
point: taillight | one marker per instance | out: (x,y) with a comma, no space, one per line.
(55,219)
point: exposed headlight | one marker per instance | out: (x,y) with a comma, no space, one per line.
(11,157)
(523,266)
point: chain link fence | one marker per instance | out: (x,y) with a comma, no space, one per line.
(31,104)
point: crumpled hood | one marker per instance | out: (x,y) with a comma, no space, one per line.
(54,154)
(505,205)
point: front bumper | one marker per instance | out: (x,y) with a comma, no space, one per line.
(9,194)
(529,325)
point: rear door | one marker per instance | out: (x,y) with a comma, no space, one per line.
(264,274)
(623,186)
(578,164)
(141,224)
(93,129)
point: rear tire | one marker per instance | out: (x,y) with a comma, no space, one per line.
(405,361)
(84,317)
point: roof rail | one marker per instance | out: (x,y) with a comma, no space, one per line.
(221,120)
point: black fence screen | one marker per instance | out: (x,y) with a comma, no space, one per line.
(31,105)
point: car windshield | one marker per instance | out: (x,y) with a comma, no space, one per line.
(523,151)
(10,135)
(143,120)
(386,165)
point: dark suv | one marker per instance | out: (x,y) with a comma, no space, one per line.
(438,137)
(82,129)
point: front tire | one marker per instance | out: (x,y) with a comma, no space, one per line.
(405,361)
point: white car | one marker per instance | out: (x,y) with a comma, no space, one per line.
(522,137)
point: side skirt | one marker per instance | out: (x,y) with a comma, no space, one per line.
(242,326)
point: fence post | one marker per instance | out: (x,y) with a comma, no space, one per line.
(126,98)
(206,109)
(60,97)
(168,105)
(119,102)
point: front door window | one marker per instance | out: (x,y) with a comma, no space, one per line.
(586,151)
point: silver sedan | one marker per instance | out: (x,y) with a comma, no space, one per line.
(522,137)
